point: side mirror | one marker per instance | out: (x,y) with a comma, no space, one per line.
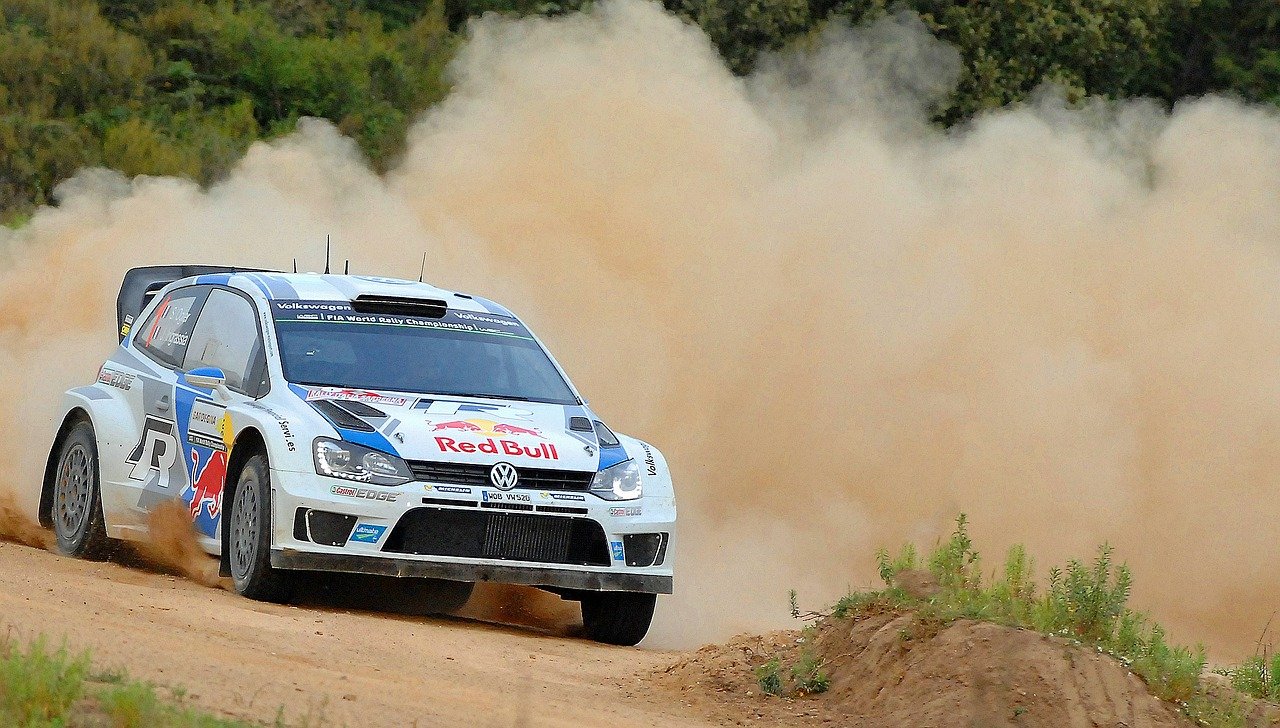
(208,378)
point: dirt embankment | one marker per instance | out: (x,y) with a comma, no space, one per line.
(889,670)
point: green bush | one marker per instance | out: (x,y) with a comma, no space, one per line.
(808,677)
(769,677)
(1258,677)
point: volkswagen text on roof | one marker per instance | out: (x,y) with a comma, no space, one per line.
(316,423)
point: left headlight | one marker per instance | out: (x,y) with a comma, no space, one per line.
(339,459)
(620,482)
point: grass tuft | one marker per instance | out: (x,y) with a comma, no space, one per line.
(808,677)
(38,686)
(51,688)
(769,677)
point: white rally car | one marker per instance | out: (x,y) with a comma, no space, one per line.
(360,425)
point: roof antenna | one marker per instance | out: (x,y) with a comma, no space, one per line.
(423,270)
(295,265)
(326,255)
(346,270)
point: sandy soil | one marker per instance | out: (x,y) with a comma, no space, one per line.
(246,659)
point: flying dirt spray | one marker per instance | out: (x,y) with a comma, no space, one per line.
(843,325)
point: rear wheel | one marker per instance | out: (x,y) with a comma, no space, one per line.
(249,537)
(76,510)
(617,618)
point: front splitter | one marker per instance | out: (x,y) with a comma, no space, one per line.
(541,576)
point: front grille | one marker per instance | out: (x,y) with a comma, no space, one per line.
(499,535)
(507,506)
(470,474)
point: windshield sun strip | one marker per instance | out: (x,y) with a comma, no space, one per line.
(411,327)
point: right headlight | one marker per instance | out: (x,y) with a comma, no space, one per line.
(340,459)
(620,482)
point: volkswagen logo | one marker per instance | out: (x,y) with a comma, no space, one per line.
(504,476)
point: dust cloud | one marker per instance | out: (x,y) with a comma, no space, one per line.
(524,606)
(171,547)
(18,527)
(842,325)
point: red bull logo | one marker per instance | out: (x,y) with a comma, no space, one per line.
(489,428)
(462,425)
(506,429)
(497,439)
(491,446)
(206,489)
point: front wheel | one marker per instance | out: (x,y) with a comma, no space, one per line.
(76,510)
(249,537)
(617,618)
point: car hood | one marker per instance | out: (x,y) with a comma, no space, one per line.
(463,429)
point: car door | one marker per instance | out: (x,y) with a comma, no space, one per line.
(154,470)
(227,336)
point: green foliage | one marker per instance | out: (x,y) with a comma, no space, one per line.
(459,11)
(1086,602)
(37,686)
(808,677)
(1172,672)
(805,677)
(44,688)
(1258,677)
(741,29)
(1219,45)
(906,560)
(137,705)
(769,677)
(182,87)
(955,564)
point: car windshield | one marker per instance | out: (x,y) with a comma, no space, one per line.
(463,353)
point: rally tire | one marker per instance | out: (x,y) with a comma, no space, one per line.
(249,537)
(76,505)
(617,618)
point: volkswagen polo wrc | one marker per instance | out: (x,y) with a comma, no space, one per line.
(323,423)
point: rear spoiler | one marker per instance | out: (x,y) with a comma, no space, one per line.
(141,285)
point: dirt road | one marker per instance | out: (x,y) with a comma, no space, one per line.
(247,659)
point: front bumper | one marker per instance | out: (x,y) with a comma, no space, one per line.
(532,575)
(376,519)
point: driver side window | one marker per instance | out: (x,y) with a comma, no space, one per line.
(227,336)
(167,332)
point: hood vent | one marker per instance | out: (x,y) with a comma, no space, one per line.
(359,409)
(341,417)
(400,306)
(580,424)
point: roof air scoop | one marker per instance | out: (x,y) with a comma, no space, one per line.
(400,306)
